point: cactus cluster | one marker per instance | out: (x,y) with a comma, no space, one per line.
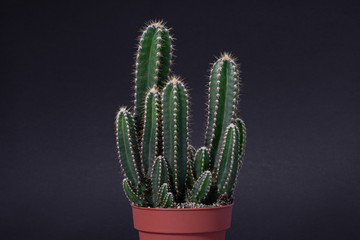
(161,168)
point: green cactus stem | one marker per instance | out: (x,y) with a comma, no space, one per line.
(149,139)
(168,201)
(201,162)
(164,189)
(175,129)
(161,197)
(223,94)
(228,159)
(242,130)
(201,187)
(127,147)
(238,158)
(190,179)
(131,195)
(159,175)
(153,60)
(191,152)
(160,140)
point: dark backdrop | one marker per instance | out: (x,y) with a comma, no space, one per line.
(67,67)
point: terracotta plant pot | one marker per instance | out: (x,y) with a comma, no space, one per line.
(182,224)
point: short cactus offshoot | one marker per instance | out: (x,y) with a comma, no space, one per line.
(161,168)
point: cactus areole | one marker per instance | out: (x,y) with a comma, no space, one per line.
(162,171)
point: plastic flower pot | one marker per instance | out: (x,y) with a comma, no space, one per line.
(182,224)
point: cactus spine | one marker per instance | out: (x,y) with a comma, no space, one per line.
(161,168)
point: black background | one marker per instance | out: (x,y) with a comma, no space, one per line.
(67,67)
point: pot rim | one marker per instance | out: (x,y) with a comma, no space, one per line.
(181,209)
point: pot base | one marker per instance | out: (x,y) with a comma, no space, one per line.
(182,223)
(193,236)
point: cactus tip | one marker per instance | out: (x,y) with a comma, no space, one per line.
(156,23)
(227,56)
(153,89)
(175,79)
(122,109)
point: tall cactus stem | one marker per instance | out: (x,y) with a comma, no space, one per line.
(223,97)
(152,66)
(175,129)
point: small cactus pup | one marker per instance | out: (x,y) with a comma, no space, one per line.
(201,162)
(201,187)
(160,167)
(159,177)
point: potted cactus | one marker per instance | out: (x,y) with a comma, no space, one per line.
(176,191)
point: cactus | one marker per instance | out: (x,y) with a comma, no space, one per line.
(161,168)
